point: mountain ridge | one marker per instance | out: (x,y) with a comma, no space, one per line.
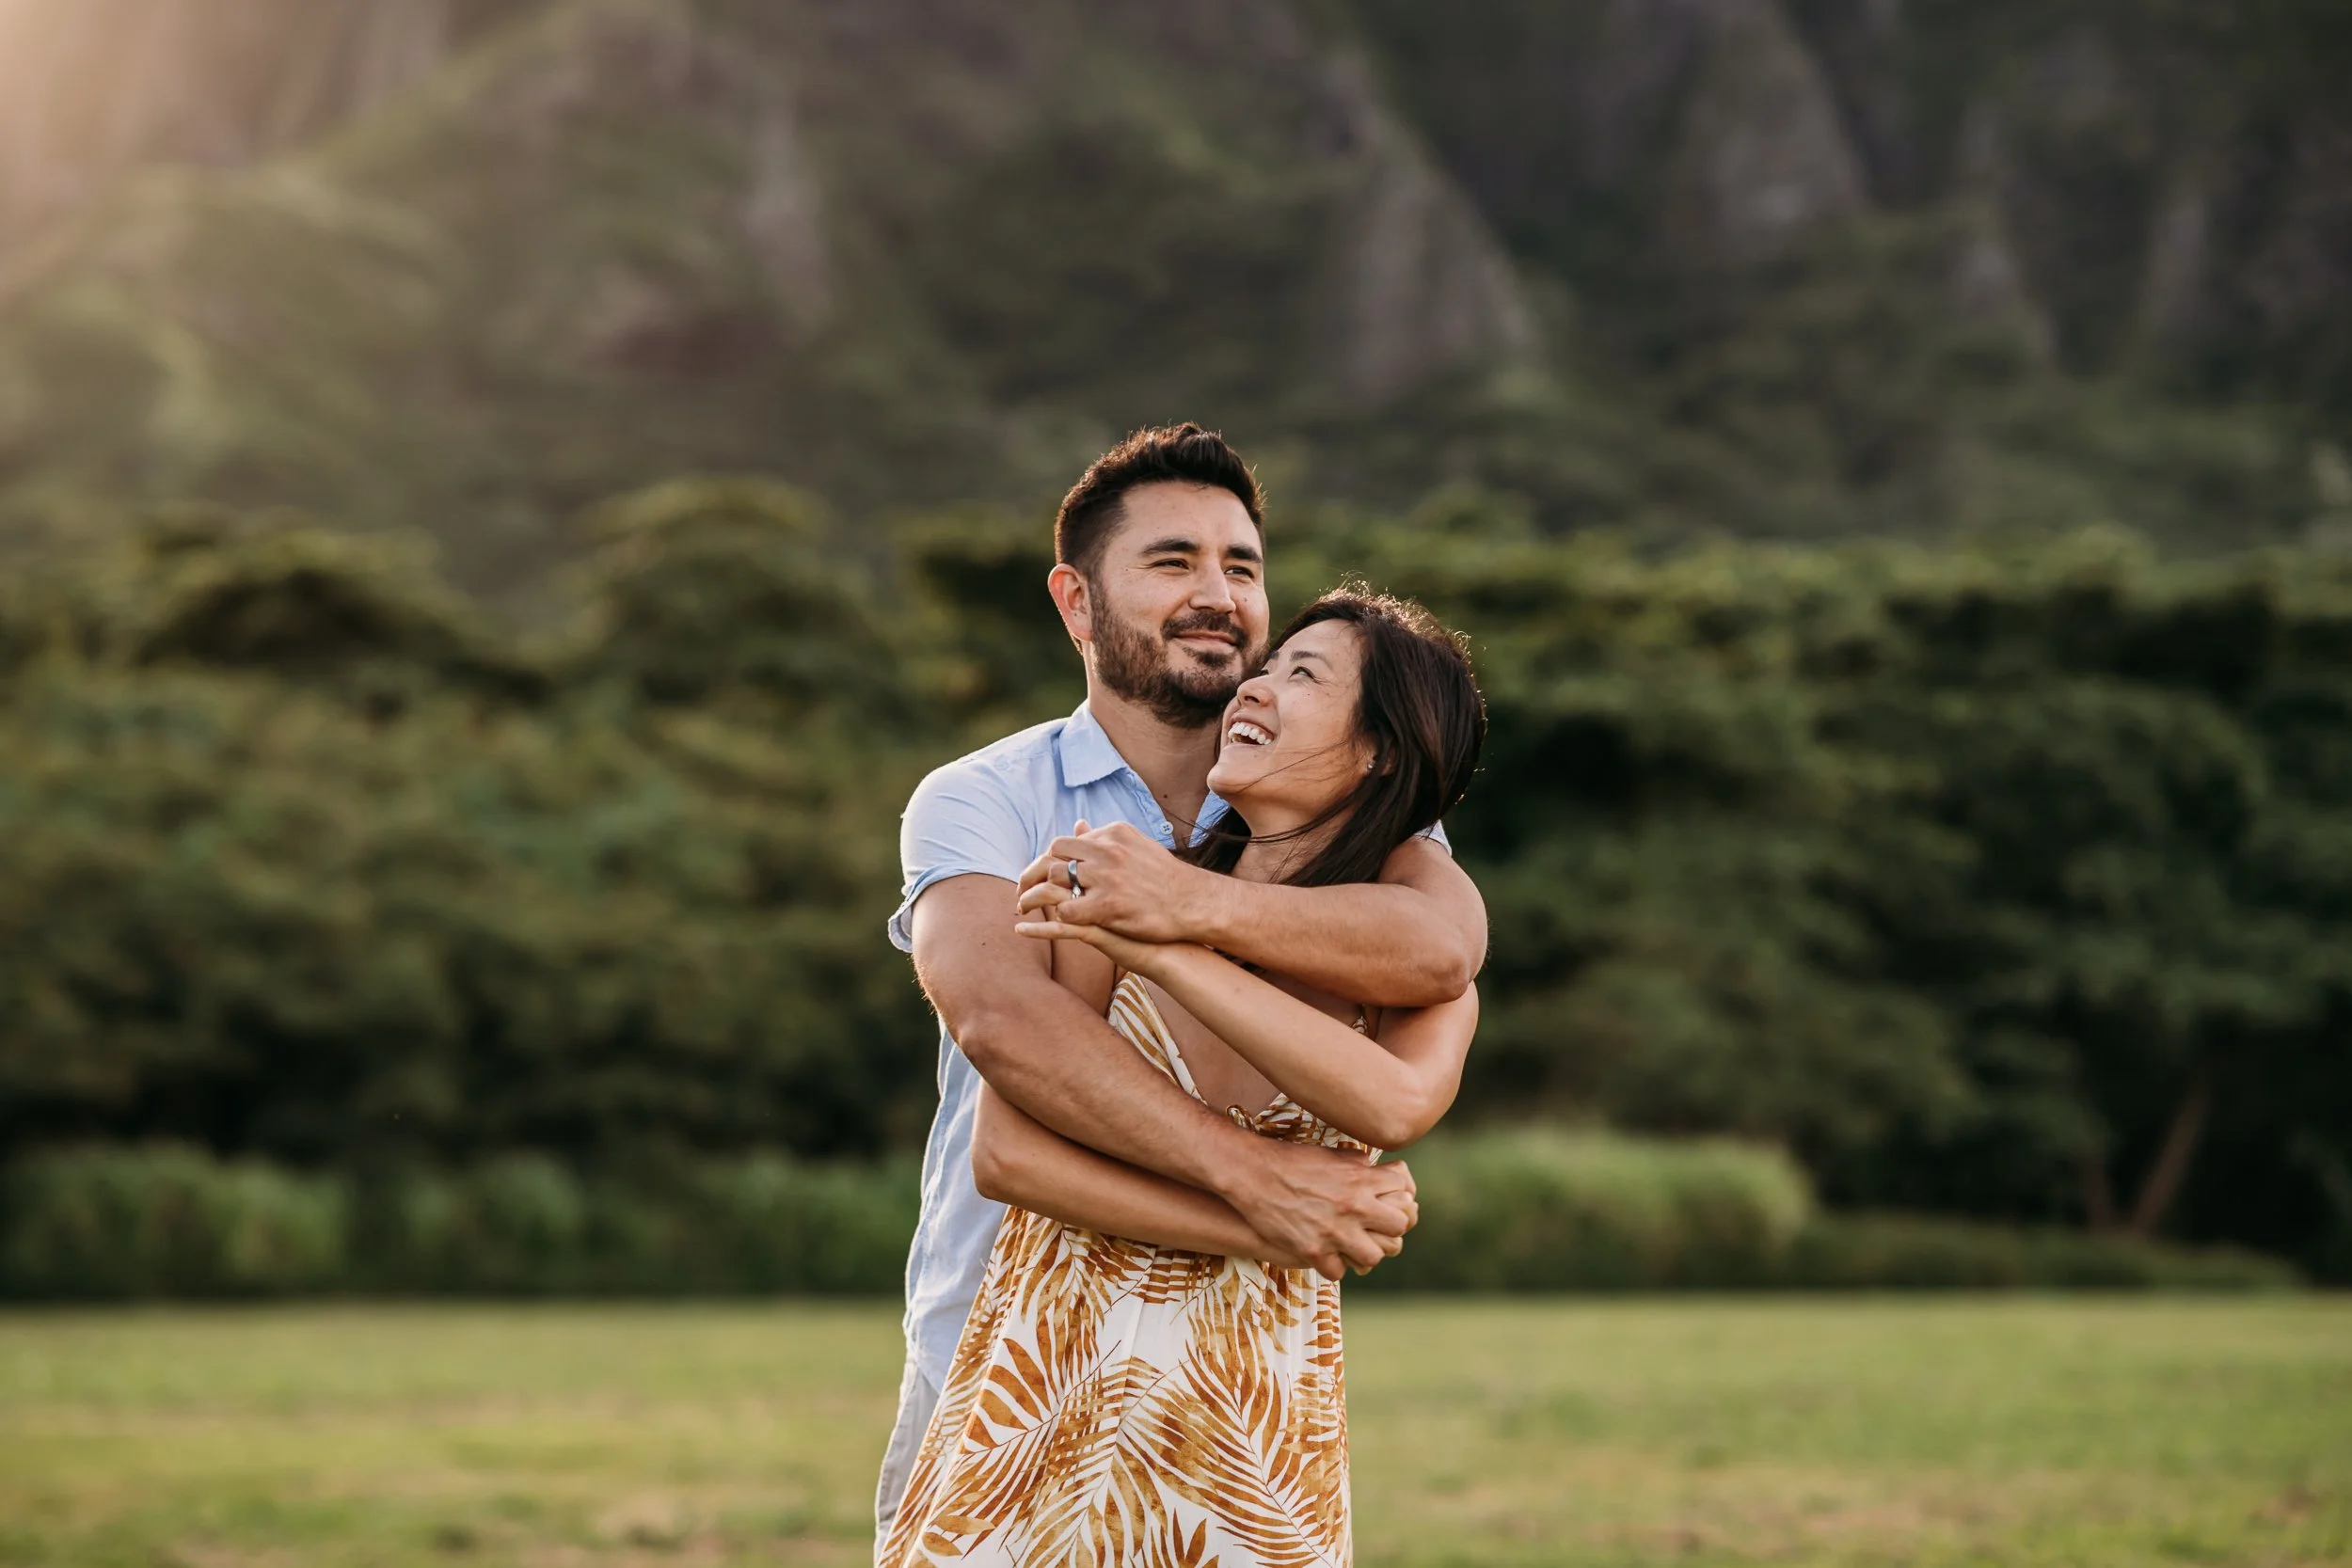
(1670,266)
(621,211)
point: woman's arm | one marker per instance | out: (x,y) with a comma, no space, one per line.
(1017,1159)
(1389,1092)
(1413,938)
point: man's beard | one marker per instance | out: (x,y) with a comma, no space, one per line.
(1135,664)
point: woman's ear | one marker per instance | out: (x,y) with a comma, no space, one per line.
(1075,597)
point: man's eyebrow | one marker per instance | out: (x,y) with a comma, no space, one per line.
(1246,552)
(1175,544)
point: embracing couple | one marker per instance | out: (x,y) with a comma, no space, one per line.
(1199,951)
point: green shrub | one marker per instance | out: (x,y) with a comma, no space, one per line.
(1899,1252)
(1537,1209)
(773,1225)
(516,1224)
(1528,1210)
(526,1224)
(165,1221)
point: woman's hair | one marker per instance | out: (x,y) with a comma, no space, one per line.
(1420,707)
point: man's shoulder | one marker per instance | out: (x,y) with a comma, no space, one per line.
(1021,763)
(985,813)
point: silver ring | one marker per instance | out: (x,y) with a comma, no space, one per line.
(1076,887)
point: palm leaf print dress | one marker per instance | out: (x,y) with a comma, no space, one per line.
(1113,1402)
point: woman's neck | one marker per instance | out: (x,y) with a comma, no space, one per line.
(1278,845)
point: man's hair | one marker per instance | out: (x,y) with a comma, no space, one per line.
(1181,454)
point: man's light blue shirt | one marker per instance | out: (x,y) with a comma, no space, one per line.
(991,814)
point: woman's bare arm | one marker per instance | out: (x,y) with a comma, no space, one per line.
(1413,938)
(1389,1092)
(1017,1159)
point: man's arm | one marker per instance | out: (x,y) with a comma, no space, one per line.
(1041,1048)
(1389,1091)
(1415,938)
(1016,1161)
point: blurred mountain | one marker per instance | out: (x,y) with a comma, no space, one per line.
(103,87)
(2144,177)
(1676,265)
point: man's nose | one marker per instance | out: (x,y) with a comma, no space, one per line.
(1211,591)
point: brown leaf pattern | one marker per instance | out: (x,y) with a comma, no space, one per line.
(1117,1404)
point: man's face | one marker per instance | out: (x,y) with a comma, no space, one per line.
(1180,610)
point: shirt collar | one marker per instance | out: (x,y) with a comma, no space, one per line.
(1086,756)
(1085,751)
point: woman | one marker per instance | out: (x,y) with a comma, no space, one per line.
(1143,1378)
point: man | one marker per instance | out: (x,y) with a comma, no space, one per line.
(1160,581)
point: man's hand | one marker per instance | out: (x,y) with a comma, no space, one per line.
(1131,885)
(1331,1210)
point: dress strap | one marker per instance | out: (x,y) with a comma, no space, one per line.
(1134,1015)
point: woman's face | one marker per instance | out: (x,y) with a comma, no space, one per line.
(1290,740)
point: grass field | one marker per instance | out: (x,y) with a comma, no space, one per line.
(1944,1431)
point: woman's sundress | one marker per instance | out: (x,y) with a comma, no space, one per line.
(1113,1402)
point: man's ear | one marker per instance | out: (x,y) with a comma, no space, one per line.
(1074,598)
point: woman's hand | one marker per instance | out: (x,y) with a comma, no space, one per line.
(1132,882)
(1043,903)
(1048,899)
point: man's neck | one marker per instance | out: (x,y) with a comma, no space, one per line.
(1173,762)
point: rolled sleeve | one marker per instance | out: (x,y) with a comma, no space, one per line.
(961,821)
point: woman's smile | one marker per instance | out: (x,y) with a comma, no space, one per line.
(1302,705)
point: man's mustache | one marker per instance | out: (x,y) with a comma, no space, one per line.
(1203,621)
